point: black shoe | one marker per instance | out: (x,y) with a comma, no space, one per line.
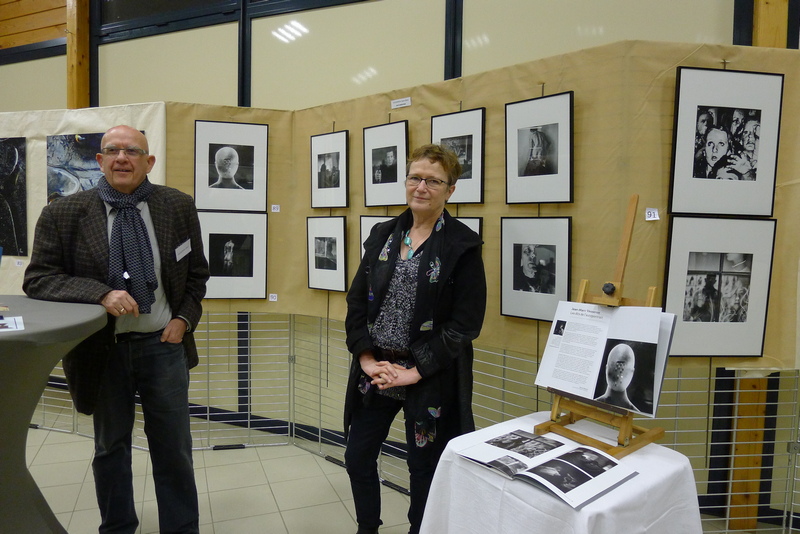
(362,530)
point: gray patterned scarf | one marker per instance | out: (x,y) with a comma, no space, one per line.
(130,261)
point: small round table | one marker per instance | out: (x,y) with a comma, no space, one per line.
(26,359)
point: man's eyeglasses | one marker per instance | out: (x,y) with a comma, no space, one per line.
(430,183)
(131,151)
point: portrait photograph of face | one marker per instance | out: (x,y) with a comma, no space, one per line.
(230,166)
(328,173)
(384,165)
(71,164)
(230,255)
(535,268)
(726,143)
(537,150)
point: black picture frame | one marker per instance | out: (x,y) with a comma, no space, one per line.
(727,128)
(539,149)
(717,284)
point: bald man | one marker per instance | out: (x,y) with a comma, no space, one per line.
(226,160)
(619,373)
(135,248)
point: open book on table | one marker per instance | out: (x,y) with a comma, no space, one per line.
(575,473)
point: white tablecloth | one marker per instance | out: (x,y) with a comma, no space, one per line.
(468,498)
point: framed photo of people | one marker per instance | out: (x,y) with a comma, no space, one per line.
(367,222)
(327,259)
(236,247)
(539,149)
(464,133)
(329,165)
(717,284)
(230,170)
(725,142)
(385,153)
(534,265)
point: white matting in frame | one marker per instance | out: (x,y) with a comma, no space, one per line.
(464,133)
(385,153)
(539,149)
(535,265)
(230,171)
(717,284)
(235,244)
(741,113)
(327,259)
(367,223)
(474,223)
(329,170)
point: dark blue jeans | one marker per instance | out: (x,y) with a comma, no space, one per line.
(158,372)
(368,429)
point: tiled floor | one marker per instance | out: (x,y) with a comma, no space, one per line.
(279,489)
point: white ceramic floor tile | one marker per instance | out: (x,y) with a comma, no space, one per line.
(258,524)
(213,458)
(223,477)
(58,474)
(51,453)
(292,494)
(241,502)
(280,469)
(84,521)
(330,518)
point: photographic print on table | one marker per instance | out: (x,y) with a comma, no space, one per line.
(13,205)
(327,260)
(72,164)
(464,133)
(717,284)
(725,142)
(367,222)
(329,165)
(236,247)
(539,149)
(534,265)
(385,153)
(230,171)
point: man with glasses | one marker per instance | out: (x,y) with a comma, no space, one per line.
(136,249)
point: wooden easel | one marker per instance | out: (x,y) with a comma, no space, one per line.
(631,437)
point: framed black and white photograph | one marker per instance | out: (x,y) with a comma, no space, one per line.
(474,223)
(534,265)
(236,247)
(329,165)
(719,166)
(230,171)
(327,260)
(539,149)
(385,153)
(13,195)
(717,284)
(464,133)
(367,222)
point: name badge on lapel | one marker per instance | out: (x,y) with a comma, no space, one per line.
(183,249)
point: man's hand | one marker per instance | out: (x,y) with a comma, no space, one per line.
(118,302)
(174,331)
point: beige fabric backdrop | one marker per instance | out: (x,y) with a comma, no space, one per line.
(624,108)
